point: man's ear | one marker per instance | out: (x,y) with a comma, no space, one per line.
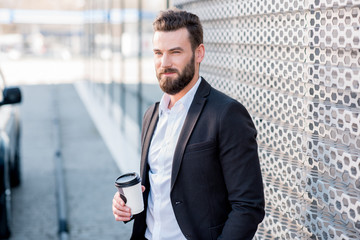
(200,53)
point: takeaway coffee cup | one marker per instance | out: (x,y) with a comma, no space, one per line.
(129,187)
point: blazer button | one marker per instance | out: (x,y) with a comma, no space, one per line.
(178,203)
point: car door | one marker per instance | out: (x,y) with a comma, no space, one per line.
(10,126)
(5,110)
(5,192)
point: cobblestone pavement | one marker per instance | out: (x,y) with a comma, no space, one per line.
(89,171)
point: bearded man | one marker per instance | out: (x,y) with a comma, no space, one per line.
(199,164)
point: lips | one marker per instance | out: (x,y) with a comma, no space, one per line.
(167,74)
(168,71)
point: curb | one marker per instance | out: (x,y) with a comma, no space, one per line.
(59,173)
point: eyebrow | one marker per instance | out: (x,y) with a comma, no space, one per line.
(172,49)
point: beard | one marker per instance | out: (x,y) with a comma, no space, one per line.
(174,86)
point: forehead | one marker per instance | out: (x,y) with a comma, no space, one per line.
(172,39)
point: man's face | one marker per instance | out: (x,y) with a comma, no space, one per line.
(174,60)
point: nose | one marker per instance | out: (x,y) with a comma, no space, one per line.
(165,61)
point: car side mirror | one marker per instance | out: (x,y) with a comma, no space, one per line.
(11,95)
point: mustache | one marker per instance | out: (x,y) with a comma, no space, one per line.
(168,70)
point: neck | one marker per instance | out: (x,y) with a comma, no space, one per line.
(176,97)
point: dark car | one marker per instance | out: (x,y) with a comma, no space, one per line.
(9,151)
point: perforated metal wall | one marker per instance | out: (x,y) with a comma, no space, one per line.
(295,65)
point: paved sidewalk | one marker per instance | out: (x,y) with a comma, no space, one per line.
(89,170)
(34,203)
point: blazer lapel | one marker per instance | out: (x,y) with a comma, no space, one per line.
(149,128)
(189,124)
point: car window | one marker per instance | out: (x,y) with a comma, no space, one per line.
(2,86)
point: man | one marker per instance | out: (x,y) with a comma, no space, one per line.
(199,163)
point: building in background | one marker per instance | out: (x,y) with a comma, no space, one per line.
(41,28)
(119,66)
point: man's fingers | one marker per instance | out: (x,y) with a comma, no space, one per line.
(121,216)
(121,213)
(122,219)
(143,188)
(120,210)
(120,206)
(118,199)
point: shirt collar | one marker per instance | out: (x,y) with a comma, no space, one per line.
(185,101)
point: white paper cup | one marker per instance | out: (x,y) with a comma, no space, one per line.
(129,187)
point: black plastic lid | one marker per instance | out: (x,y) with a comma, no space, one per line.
(127,180)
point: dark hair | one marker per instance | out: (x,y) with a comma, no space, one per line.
(172,20)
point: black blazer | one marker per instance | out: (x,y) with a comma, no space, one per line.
(216,183)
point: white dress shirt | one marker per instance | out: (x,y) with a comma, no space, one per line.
(160,217)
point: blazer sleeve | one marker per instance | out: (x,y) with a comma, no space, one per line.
(241,169)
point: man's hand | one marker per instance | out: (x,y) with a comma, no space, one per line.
(120,210)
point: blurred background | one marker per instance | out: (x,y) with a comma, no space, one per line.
(38,32)
(86,73)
